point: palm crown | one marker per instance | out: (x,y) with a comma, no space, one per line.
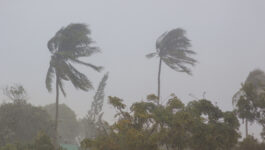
(67,46)
(173,49)
(255,81)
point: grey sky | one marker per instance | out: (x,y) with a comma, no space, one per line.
(228,35)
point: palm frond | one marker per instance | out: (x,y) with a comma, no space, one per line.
(54,43)
(181,60)
(75,36)
(159,40)
(171,65)
(185,69)
(97,68)
(85,50)
(96,106)
(49,78)
(100,95)
(237,96)
(78,79)
(68,44)
(173,48)
(74,40)
(190,52)
(60,66)
(61,87)
(151,55)
(177,65)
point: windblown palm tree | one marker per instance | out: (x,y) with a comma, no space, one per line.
(67,46)
(172,48)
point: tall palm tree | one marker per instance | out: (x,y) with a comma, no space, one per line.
(172,48)
(67,46)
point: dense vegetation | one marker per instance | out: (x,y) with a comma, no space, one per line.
(145,125)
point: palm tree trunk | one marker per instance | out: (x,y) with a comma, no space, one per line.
(57,113)
(159,74)
(246,123)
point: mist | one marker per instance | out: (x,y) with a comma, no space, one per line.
(227,37)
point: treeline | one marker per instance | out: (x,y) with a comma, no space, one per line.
(145,125)
(22,125)
(148,125)
(152,126)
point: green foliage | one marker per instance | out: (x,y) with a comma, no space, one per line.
(20,122)
(250,143)
(98,100)
(205,107)
(257,79)
(153,97)
(246,104)
(68,125)
(152,126)
(91,125)
(67,45)
(173,47)
(9,147)
(116,102)
(15,93)
(41,142)
(214,129)
(249,100)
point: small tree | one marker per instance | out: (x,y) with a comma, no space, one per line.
(92,123)
(250,143)
(67,126)
(15,93)
(43,142)
(19,120)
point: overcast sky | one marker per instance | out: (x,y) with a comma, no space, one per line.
(228,36)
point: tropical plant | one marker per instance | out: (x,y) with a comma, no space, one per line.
(173,126)
(67,46)
(91,125)
(15,93)
(40,142)
(20,122)
(247,100)
(172,48)
(257,79)
(43,142)
(97,104)
(67,125)
(250,143)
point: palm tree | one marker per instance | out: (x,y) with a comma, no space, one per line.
(67,46)
(172,48)
(246,99)
(257,79)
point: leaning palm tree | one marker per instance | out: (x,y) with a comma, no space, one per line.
(67,46)
(172,48)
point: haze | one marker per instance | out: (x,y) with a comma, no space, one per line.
(228,37)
